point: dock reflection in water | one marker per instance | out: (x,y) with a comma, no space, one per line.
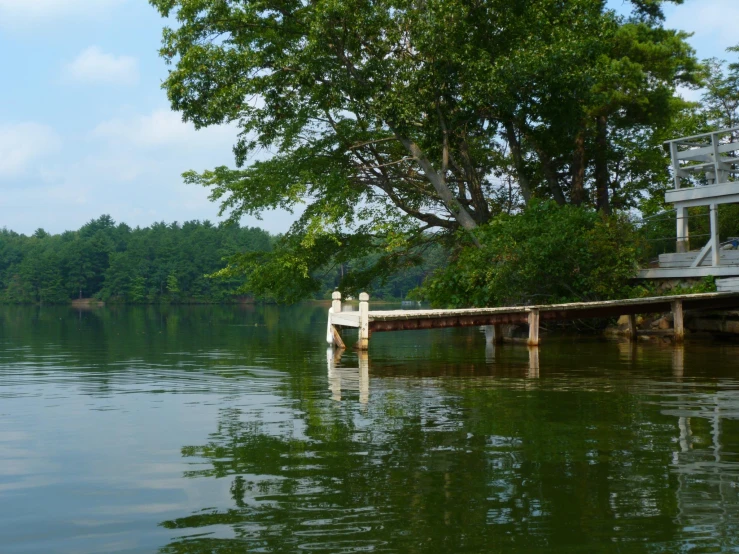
(348,378)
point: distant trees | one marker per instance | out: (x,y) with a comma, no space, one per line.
(117,263)
(161,263)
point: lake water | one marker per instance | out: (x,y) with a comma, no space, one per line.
(230,429)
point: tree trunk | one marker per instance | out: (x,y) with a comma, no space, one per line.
(552,179)
(577,194)
(549,173)
(601,164)
(523,180)
(459,212)
(482,210)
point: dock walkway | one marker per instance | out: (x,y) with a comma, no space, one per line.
(368,322)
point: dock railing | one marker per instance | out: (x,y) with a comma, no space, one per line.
(659,236)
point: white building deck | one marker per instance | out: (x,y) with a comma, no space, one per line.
(713,159)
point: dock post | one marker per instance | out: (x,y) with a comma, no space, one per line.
(678,321)
(329,327)
(335,335)
(715,241)
(494,333)
(533,327)
(498,333)
(682,230)
(336,301)
(632,328)
(363,338)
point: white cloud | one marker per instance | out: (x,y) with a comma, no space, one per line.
(164,128)
(24,143)
(95,66)
(19,11)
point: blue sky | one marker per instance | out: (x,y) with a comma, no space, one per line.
(85,128)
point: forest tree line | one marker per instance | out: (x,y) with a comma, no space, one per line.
(114,262)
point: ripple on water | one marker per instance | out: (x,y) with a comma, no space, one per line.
(167,435)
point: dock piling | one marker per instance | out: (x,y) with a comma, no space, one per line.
(494,334)
(364,334)
(533,327)
(678,320)
(632,330)
(336,301)
(334,338)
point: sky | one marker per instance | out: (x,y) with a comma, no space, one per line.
(86,130)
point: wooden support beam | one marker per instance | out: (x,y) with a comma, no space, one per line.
(533,327)
(678,320)
(409,323)
(364,328)
(701,255)
(336,336)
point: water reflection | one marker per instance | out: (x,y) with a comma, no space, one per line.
(707,465)
(197,430)
(476,465)
(678,360)
(348,378)
(533,362)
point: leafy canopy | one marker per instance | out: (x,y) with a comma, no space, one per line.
(393,123)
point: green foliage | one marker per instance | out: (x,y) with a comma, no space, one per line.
(707,284)
(545,254)
(173,287)
(137,292)
(120,264)
(393,123)
(721,95)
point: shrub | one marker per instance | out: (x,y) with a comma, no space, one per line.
(545,254)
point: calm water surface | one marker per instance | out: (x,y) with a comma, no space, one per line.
(230,429)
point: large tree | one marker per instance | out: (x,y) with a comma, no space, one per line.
(393,123)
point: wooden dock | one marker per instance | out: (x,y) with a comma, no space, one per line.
(368,322)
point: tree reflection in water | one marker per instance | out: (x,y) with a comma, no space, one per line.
(472,466)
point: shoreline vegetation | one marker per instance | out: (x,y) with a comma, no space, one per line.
(105,263)
(544,254)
